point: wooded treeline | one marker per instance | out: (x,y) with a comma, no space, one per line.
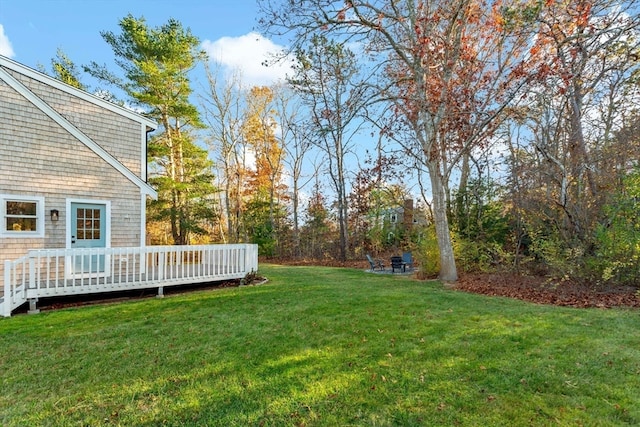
(499,135)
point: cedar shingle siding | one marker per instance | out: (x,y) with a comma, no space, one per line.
(38,157)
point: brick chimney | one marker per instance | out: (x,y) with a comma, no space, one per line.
(408,214)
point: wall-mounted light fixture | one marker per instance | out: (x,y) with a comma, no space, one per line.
(54,215)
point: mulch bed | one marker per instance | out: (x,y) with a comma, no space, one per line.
(542,290)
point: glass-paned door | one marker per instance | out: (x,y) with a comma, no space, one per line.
(88,230)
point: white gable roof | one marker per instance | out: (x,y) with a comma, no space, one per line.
(66,124)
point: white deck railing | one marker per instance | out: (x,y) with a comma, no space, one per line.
(60,272)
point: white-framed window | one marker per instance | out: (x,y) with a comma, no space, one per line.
(393,218)
(21,216)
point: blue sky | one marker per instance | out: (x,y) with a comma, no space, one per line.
(32,30)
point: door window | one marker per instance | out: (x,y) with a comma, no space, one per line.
(88,224)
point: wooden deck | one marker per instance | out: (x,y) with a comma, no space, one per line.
(60,272)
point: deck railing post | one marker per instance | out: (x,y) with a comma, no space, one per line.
(161,264)
(251,257)
(142,255)
(32,273)
(5,310)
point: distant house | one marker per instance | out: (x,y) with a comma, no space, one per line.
(404,216)
(397,221)
(72,167)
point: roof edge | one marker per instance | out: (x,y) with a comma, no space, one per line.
(43,78)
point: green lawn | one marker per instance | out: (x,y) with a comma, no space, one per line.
(321,347)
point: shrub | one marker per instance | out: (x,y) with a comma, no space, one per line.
(484,256)
(428,254)
(617,257)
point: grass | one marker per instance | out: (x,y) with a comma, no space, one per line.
(321,347)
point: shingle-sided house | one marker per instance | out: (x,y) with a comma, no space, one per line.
(73,194)
(72,166)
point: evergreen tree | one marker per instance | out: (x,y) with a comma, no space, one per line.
(156,63)
(64,69)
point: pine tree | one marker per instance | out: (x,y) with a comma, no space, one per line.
(156,63)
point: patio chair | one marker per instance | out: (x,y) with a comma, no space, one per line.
(375,264)
(408,259)
(397,262)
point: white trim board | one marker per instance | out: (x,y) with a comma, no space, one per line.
(50,81)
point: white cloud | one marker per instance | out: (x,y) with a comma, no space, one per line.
(247,54)
(5,44)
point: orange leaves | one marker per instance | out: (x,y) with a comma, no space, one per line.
(473,13)
(583,10)
(498,22)
(535,49)
(259,132)
(465,62)
(560,50)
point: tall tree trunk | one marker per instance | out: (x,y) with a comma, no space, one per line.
(462,198)
(227,207)
(173,173)
(296,227)
(342,205)
(448,271)
(182,199)
(581,170)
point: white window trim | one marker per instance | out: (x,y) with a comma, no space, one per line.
(39,200)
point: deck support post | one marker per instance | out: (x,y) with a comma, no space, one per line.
(32,306)
(160,292)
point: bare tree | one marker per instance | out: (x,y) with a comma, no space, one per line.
(295,136)
(223,113)
(326,78)
(591,50)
